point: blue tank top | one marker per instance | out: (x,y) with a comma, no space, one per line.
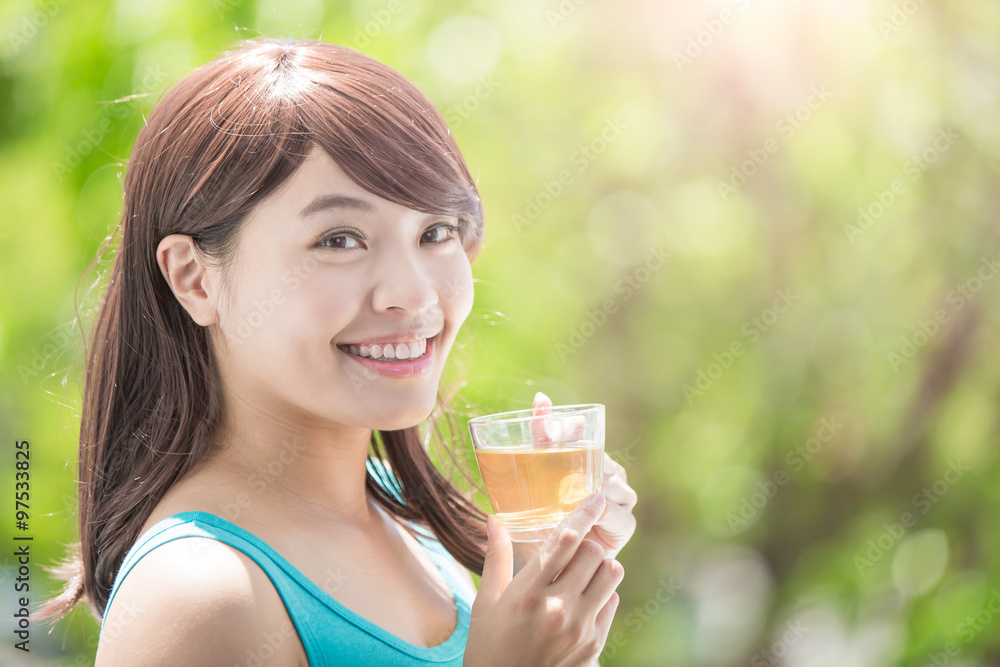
(331,634)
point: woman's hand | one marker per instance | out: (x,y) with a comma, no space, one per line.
(557,611)
(617,525)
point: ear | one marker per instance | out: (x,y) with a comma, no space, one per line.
(188,277)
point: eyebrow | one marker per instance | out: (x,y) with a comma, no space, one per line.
(326,202)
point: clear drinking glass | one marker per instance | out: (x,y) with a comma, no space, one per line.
(538,467)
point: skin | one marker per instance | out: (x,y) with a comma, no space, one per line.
(289,461)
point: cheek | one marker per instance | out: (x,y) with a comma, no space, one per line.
(281,300)
(248,311)
(328,300)
(455,291)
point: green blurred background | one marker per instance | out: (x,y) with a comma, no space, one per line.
(764,234)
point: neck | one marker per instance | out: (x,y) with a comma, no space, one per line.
(294,462)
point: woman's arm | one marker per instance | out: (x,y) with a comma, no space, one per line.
(197,602)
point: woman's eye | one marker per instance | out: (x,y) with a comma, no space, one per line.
(340,242)
(439,233)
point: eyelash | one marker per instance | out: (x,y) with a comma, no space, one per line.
(453,232)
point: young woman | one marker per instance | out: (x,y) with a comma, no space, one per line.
(292,269)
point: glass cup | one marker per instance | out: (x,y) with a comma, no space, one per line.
(538,465)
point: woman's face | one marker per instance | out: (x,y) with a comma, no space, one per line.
(341,306)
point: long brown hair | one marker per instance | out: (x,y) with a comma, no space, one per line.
(216,144)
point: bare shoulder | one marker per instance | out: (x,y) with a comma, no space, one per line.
(195,601)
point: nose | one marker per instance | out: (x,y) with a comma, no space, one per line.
(402,285)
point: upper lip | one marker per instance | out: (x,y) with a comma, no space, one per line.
(401,337)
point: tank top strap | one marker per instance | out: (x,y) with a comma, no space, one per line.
(187,524)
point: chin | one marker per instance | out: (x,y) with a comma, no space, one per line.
(403,416)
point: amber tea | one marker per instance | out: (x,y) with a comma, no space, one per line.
(533,489)
(534,481)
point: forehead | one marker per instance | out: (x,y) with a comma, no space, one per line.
(319,176)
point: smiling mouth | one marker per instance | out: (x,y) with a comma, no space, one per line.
(386,352)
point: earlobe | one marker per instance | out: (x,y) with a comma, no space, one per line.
(186,274)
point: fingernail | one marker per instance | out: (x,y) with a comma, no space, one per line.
(489,526)
(597,500)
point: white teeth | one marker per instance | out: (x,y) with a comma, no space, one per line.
(411,350)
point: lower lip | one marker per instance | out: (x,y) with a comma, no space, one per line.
(400,367)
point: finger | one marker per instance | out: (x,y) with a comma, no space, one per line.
(574,428)
(603,584)
(616,489)
(605,616)
(541,407)
(498,568)
(616,519)
(559,547)
(602,627)
(613,467)
(615,530)
(577,574)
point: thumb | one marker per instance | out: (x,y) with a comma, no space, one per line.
(541,407)
(541,404)
(498,569)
